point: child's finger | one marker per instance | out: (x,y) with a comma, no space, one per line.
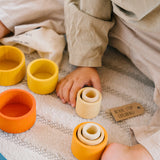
(97,84)
(73,93)
(59,89)
(66,90)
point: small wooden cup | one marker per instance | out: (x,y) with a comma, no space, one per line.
(12,65)
(83,151)
(42,76)
(17,111)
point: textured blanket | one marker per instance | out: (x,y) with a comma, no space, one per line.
(50,137)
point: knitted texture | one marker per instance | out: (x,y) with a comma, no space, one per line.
(50,137)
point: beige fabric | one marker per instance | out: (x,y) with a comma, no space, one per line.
(87,36)
(143,14)
(45,41)
(16,13)
(24,17)
(99,9)
(143,49)
(87,31)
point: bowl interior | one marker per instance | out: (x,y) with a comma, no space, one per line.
(91,94)
(42,69)
(15,104)
(9,58)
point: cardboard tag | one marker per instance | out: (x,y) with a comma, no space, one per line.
(127,111)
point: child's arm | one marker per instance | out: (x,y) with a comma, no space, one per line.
(87,23)
(68,87)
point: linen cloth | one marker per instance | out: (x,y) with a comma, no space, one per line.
(36,25)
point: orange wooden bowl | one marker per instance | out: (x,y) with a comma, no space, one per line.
(17,110)
(87,152)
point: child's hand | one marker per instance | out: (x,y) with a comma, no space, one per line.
(69,86)
(3,30)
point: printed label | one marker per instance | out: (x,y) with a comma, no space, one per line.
(127,111)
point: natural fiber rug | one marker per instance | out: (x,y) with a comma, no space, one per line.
(50,137)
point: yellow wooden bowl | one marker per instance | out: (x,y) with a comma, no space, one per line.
(42,76)
(12,65)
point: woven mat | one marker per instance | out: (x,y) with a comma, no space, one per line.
(50,137)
